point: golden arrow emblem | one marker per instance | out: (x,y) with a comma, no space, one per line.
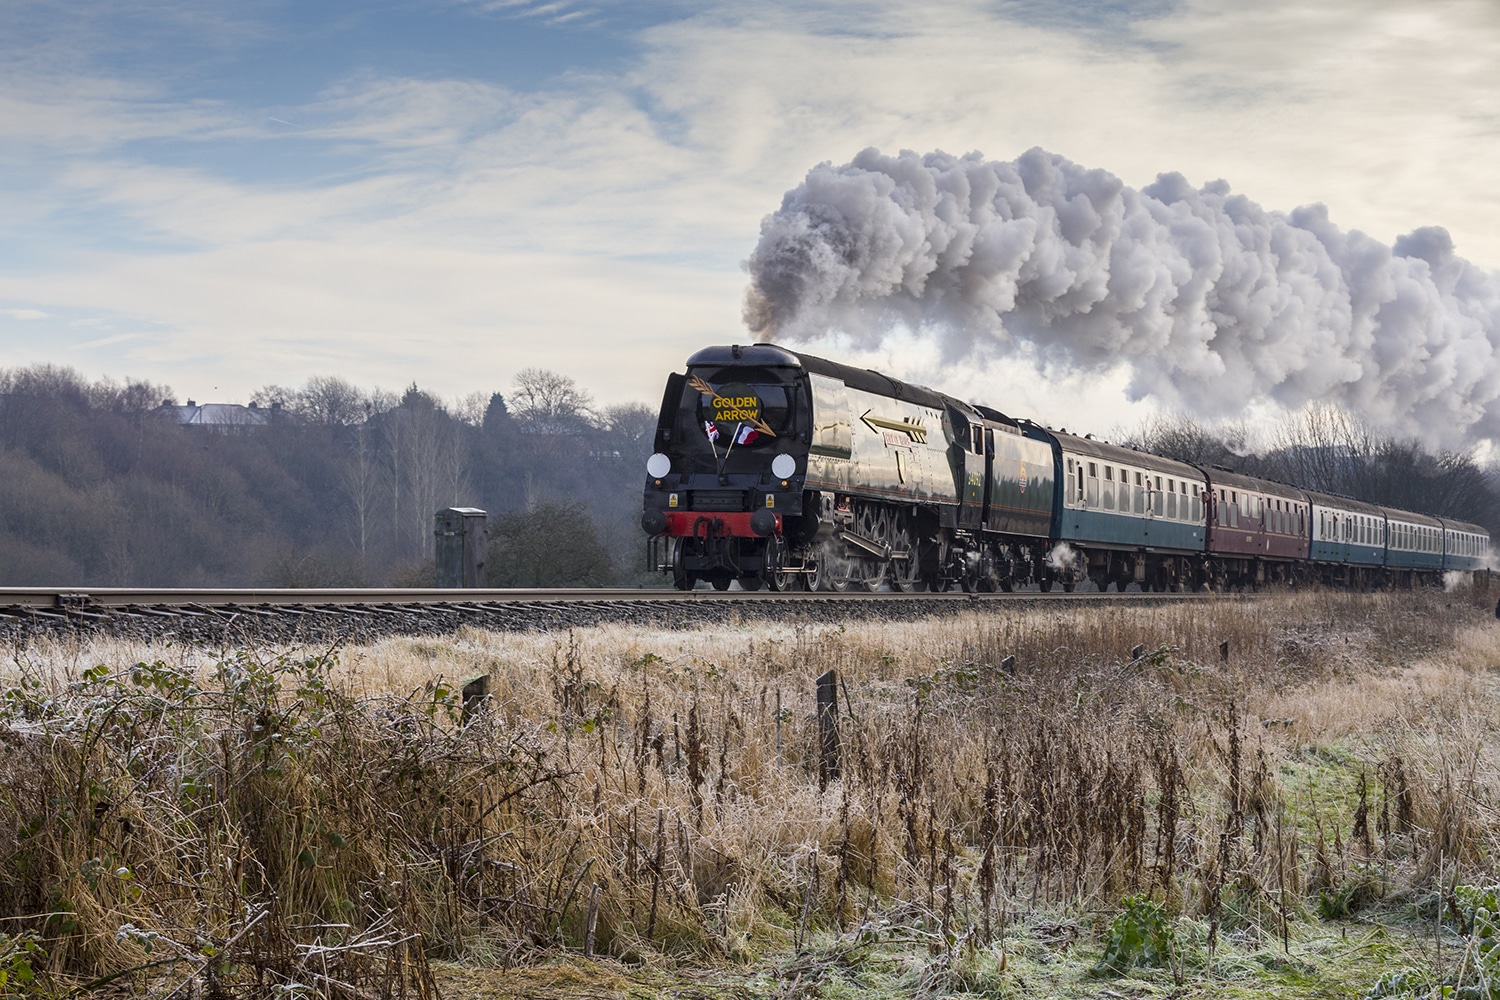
(699,384)
(911,428)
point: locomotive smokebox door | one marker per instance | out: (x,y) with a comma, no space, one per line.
(461,542)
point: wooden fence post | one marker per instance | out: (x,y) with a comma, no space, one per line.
(828,729)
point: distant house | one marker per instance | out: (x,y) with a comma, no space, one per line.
(220,416)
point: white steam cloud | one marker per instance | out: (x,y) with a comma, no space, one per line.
(1212,301)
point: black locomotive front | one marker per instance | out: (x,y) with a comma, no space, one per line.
(724,486)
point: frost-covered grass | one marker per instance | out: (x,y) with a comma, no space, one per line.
(1014,785)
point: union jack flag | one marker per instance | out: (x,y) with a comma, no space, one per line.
(711,430)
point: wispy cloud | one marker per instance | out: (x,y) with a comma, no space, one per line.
(613,204)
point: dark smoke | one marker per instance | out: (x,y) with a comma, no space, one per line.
(1212,301)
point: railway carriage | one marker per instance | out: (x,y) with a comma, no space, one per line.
(1346,546)
(1126,516)
(1466,547)
(1413,547)
(1257,530)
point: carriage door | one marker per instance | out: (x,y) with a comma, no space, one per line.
(968,465)
(990,487)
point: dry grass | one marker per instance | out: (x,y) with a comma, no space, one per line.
(279,819)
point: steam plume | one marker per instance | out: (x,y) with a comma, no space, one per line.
(1211,300)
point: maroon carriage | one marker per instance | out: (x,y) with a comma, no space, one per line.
(1257,530)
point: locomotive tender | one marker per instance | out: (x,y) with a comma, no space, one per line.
(780,469)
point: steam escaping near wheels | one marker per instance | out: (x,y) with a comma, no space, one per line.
(1210,300)
(1061,558)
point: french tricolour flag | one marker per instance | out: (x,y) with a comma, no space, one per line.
(745,435)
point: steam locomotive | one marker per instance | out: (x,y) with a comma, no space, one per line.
(783,470)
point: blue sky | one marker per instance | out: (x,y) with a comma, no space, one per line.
(219,196)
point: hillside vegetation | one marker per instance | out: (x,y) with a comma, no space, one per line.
(1225,798)
(325,485)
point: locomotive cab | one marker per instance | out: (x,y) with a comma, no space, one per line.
(724,486)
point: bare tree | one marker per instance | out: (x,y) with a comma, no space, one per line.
(1325,448)
(425,467)
(1322,447)
(470,409)
(330,401)
(632,425)
(1180,437)
(275,396)
(550,403)
(359,477)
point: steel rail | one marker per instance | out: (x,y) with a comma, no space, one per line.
(83,598)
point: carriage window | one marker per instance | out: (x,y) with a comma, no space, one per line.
(1109,474)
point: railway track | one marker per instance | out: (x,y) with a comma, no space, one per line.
(361,615)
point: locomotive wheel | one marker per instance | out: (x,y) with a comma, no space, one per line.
(681,578)
(868,572)
(906,574)
(814,578)
(937,580)
(1068,586)
(720,582)
(751,583)
(1045,584)
(775,574)
(830,568)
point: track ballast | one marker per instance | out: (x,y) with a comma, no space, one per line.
(339,616)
